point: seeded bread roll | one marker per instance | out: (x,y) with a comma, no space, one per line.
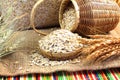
(46,13)
(60,45)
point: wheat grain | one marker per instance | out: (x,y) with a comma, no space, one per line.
(69,17)
(39,60)
(102,51)
(60,42)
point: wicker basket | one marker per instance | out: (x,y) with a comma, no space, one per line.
(60,45)
(91,16)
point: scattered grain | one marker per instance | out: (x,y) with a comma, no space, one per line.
(69,17)
(27,70)
(16,62)
(39,60)
(20,68)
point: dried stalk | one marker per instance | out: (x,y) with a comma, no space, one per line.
(102,51)
(7,32)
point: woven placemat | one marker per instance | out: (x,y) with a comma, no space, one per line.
(109,74)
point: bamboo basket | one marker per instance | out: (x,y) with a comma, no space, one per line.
(46,15)
(91,16)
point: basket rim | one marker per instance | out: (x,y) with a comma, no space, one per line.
(61,11)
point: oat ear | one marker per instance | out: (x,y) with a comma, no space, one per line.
(7,32)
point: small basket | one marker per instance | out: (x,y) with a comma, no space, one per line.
(91,16)
(60,45)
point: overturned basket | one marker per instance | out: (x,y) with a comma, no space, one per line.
(89,16)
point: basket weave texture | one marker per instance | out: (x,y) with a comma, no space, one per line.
(95,16)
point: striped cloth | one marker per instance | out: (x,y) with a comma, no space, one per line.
(111,74)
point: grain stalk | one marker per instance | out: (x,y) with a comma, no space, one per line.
(7,32)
